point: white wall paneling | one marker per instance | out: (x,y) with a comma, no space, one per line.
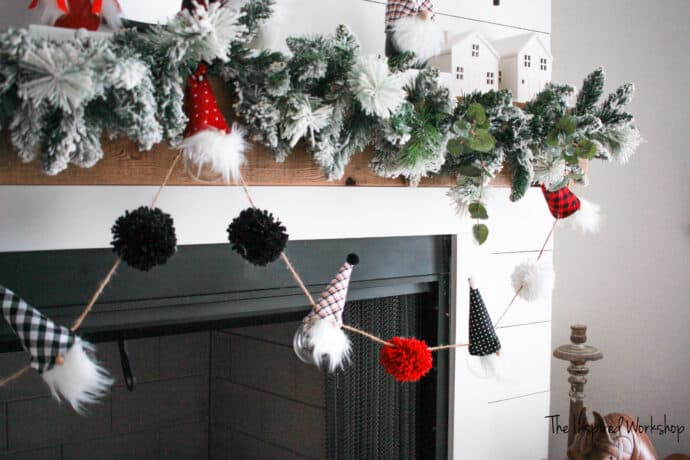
(630,283)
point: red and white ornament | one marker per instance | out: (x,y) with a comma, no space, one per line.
(79,14)
(211,149)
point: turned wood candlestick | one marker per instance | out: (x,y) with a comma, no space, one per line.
(578,354)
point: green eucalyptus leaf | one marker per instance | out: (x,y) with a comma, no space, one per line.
(480,232)
(476,113)
(478,211)
(461,128)
(470,171)
(456,147)
(482,141)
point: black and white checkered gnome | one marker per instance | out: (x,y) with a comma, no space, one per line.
(62,358)
(410,27)
(484,342)
(320,336)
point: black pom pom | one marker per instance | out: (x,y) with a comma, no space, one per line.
(144,238)
(257,236)
(352,259)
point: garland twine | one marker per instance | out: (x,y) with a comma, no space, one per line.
(109,276)
(104,282)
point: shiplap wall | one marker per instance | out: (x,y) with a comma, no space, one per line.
(489,418)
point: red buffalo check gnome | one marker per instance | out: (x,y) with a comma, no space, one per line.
(577,212)
(79,14)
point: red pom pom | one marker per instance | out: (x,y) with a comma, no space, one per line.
(408,360)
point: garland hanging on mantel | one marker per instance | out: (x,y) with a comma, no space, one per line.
(57,98)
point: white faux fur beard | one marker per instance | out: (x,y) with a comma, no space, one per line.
(79,380)
(328,342)
(111,12)
(214,151)
(49,12)
(423,37)
(587,219)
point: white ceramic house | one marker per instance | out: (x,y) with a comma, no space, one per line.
(467,63)
(525,65)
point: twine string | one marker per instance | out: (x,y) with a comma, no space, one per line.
(522,286)
(104,282)
(300,283)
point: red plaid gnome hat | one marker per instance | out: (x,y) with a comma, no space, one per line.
(211,149)
(562,203)
(331,304)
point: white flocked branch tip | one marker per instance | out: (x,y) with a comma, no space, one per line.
(533,280)
(329,344)
(79,380)
(379,91)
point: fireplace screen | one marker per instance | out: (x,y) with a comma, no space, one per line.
(369,415)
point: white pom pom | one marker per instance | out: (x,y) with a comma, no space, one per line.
(329,342)
(586,219)
(423,37)
(533,280)
(216,152)
(79,380)
(111,12)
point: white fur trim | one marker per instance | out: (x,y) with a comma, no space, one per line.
(423,37)
(50,12)
(222,154)
(329,342)
(111,11)
(533,279)
(586,219)
(79,380)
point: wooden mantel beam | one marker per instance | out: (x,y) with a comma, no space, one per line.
(124,164)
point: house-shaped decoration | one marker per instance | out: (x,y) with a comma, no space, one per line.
(467,63)
(525,65)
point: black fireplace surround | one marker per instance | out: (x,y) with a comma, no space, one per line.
(208,287)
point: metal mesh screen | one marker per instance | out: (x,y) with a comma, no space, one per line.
(369,415)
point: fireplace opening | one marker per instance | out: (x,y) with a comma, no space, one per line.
(216,373)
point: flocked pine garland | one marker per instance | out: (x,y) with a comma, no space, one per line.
(57,99)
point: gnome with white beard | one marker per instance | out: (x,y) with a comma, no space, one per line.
(410,27)
(64,360)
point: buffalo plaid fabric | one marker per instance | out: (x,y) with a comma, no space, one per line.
(562,203)
(396,9)
(331,304)
(483,338)
(40,336)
